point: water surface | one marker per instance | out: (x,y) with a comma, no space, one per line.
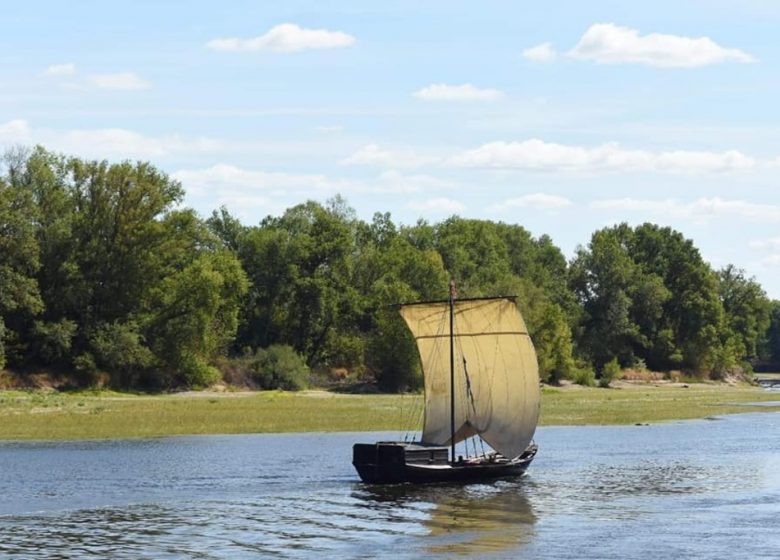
(696,489)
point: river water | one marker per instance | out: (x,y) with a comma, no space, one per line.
(696,489)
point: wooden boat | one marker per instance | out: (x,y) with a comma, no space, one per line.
(481,381)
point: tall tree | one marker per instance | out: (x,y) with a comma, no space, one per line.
(747,310)
(20,299)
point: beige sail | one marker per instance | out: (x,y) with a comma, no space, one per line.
(496,372)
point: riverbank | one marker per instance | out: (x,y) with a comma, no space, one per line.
(51,415)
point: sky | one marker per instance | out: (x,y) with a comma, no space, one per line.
(564,117)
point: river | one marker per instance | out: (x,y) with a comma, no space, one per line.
(695,489)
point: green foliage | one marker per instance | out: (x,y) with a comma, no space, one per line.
(747,311)
(195,372)
(583,376)
(770,347)
(20,298)
(647,294)
(2,343)
(194,315)
(101,270)
(610,372)
(277,367)
(119,348)
(52,340)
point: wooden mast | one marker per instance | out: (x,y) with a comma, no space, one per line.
(452,369)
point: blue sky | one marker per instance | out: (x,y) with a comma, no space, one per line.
(561,116)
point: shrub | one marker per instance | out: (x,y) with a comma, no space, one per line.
(278,367)
(609,373)
(2,344)
(120,349)
(52,340)
(583,376)
(196,373)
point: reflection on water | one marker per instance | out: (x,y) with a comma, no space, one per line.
(685,490)
(470,520)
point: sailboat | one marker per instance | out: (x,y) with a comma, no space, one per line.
(481,383)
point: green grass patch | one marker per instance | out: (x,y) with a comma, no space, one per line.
(650,404)
(99,415)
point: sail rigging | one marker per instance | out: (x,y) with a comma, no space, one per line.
(494,389)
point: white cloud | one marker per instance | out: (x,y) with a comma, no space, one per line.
(127,144)
(536,201)
(120,80)
(285,38)
(224,180)
(112,143)
(463,92)
(229,178)
(67,69)
(540,53)
(437,206)
(537,155)
(371,154)
(770,243)
(607,43)
(392,181)
(16,131)
(700,210)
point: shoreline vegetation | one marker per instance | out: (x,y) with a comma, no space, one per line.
(103,414)
(106,275)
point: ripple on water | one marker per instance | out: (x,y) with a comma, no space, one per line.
(685,490)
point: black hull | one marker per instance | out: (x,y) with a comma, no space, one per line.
(394,463)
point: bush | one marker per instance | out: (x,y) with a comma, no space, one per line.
(609,373)
(2,344)
(583,376)
(119,349)
(52,340)
(277,367)
(196,373)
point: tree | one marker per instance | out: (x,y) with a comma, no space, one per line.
(300,266)
(193,316)
(770,348)
(20,298)
(747,310)
(647,293)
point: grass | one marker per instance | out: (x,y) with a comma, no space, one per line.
(650,404)
(99,415)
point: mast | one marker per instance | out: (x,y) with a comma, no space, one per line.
(452,368)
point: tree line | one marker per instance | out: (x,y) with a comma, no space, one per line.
(105,274)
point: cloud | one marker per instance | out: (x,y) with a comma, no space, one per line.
(536,201)
(128,144)
(607,43)
(700,210)
(540,53)
(285,38)
(101,143)
(770,243)
(392,181)
(537,155)
(120,80)
(16,131)
(774,162)
(371,154)
(224,177)
(67,69)
(463,92)
(437,206)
